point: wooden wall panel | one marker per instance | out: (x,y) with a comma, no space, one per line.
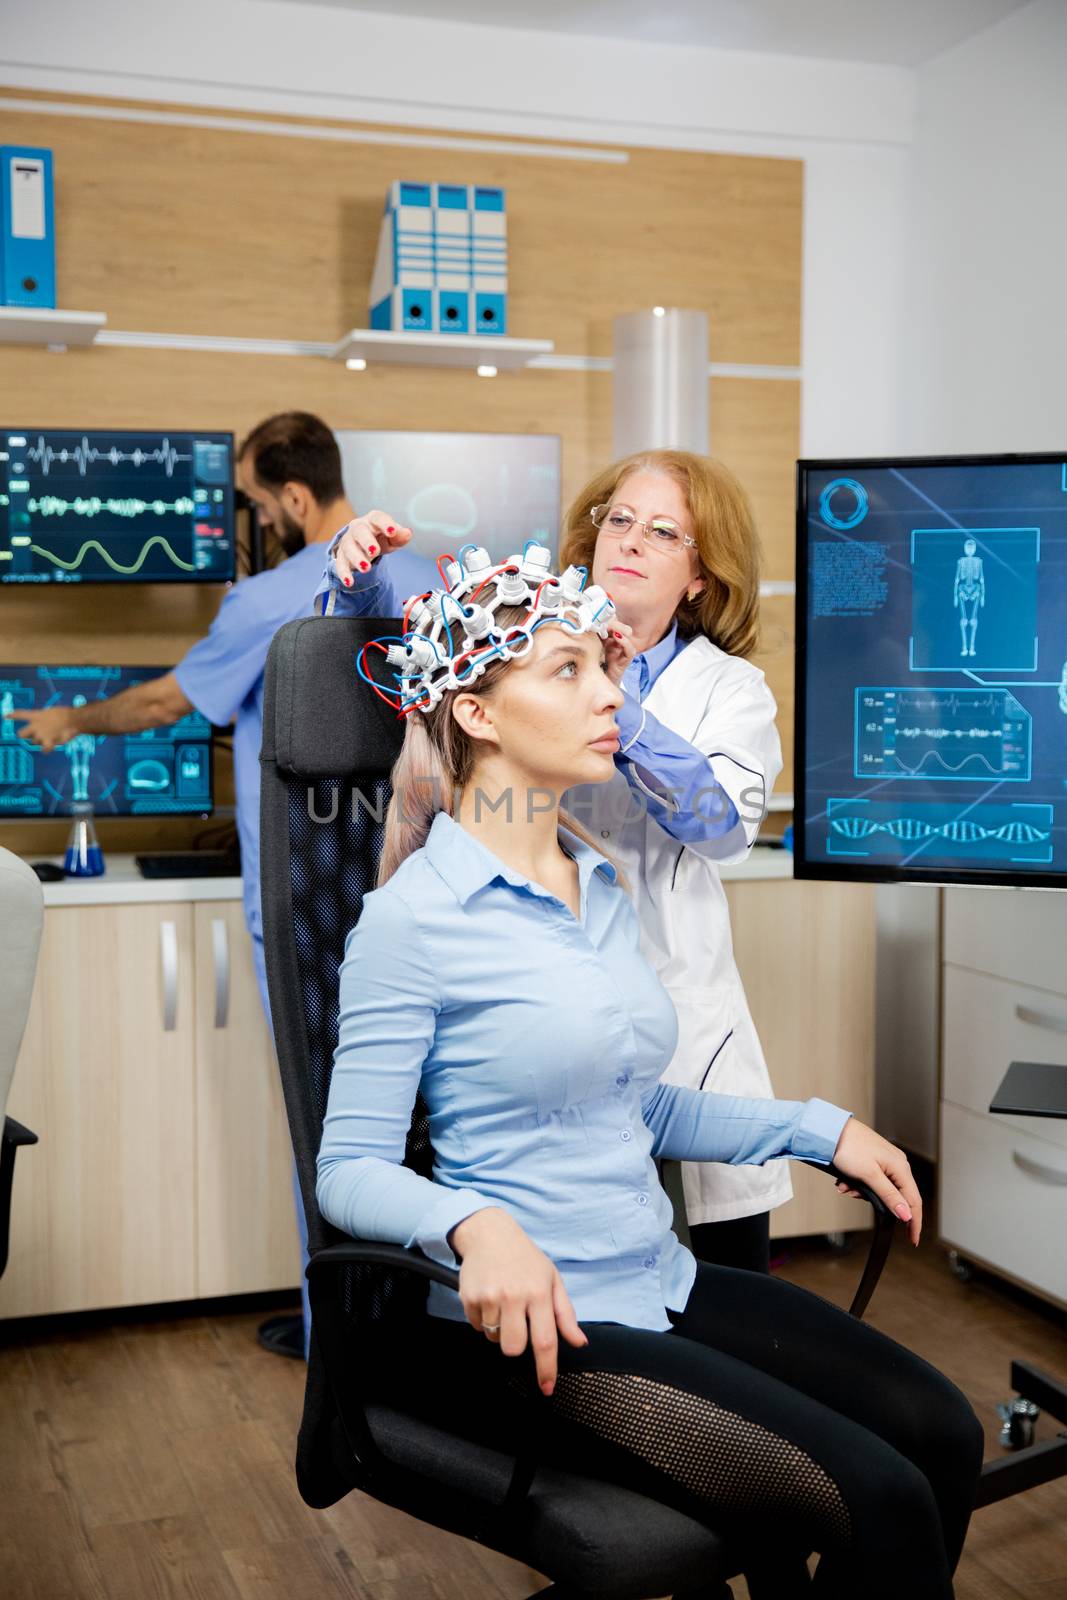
(240,234)
(776,655)
(203,230)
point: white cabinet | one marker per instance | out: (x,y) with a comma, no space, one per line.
(162,1171)
(1003,1179)
(246,1233)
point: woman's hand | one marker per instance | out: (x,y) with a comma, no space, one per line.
(510,1291)
(620,649)
(861,1153)
(363,540)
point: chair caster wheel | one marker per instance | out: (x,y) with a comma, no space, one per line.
(1020,1419)
(960,1267)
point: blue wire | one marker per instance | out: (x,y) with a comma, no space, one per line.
(386,638)
(459,558)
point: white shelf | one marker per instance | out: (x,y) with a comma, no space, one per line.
(439,349)
(41,325)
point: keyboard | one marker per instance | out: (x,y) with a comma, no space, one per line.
(189,864)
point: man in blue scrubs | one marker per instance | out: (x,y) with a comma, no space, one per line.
(290,468)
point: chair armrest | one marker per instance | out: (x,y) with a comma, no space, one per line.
(369,1253)
(14,1133)
(342,1374)
(873,1200)
(884,1224)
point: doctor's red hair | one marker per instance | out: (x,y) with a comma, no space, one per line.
(728,546)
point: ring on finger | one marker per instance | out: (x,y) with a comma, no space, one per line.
(490,1327)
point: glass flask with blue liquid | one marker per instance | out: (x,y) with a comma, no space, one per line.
(84,857)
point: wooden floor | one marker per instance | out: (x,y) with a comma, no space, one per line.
(149,1458)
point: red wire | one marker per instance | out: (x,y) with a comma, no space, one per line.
(373,644)
(446,555)
(411,603)
(504,567)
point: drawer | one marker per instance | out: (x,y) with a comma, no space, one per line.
(1004,1198)
(986,1024)
(1012,933)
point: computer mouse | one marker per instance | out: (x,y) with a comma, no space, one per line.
(48,872)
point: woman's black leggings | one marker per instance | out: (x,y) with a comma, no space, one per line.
(765,1411)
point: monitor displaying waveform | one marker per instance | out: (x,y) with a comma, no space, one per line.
(951,734)
(85,506)
(161,771)
(1008,834)
(931,705)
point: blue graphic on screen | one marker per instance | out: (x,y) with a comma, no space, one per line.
(163,771)
(492,489)
(115,507)
(935,646)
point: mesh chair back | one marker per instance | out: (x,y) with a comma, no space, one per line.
(328,748)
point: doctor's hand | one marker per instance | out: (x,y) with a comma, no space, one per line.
(361,542)
(861,1153)
(511,1291)
(620,649)
(48,728)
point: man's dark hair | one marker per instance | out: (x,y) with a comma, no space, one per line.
(295,447)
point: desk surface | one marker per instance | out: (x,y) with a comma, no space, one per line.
(1032,1089)
(122,883)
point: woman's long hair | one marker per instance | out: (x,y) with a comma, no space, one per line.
(437,761)
(728,548)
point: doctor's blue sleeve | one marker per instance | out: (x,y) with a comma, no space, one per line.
(332,599)
(675,779)
(388,1007)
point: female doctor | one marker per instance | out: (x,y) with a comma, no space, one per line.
(671,537)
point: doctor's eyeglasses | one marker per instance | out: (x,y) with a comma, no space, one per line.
(661,533)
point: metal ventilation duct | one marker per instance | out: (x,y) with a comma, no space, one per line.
(660,381)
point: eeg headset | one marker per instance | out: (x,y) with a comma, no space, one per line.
(429,660)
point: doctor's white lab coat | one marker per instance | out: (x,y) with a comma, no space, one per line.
(721,704)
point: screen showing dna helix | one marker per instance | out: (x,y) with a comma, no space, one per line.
(163,771)
(78,506)
(932,670)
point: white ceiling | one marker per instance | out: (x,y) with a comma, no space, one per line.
(895,32)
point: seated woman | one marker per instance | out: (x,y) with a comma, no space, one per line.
(497,969)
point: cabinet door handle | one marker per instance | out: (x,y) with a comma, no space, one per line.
(168,960)
(220,947)
(1037,1169)
(1041,1019)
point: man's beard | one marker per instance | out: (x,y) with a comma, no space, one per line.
(289,534)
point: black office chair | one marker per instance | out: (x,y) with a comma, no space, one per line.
(328,748)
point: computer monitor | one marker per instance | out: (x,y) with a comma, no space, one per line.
(79,505)
(162,772)
(451,489)
(931,699)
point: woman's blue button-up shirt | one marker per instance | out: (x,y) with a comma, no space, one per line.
(538,1041)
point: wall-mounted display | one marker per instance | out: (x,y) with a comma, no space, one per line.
(163,771)
(81,505)
(492,489)
(931,701)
